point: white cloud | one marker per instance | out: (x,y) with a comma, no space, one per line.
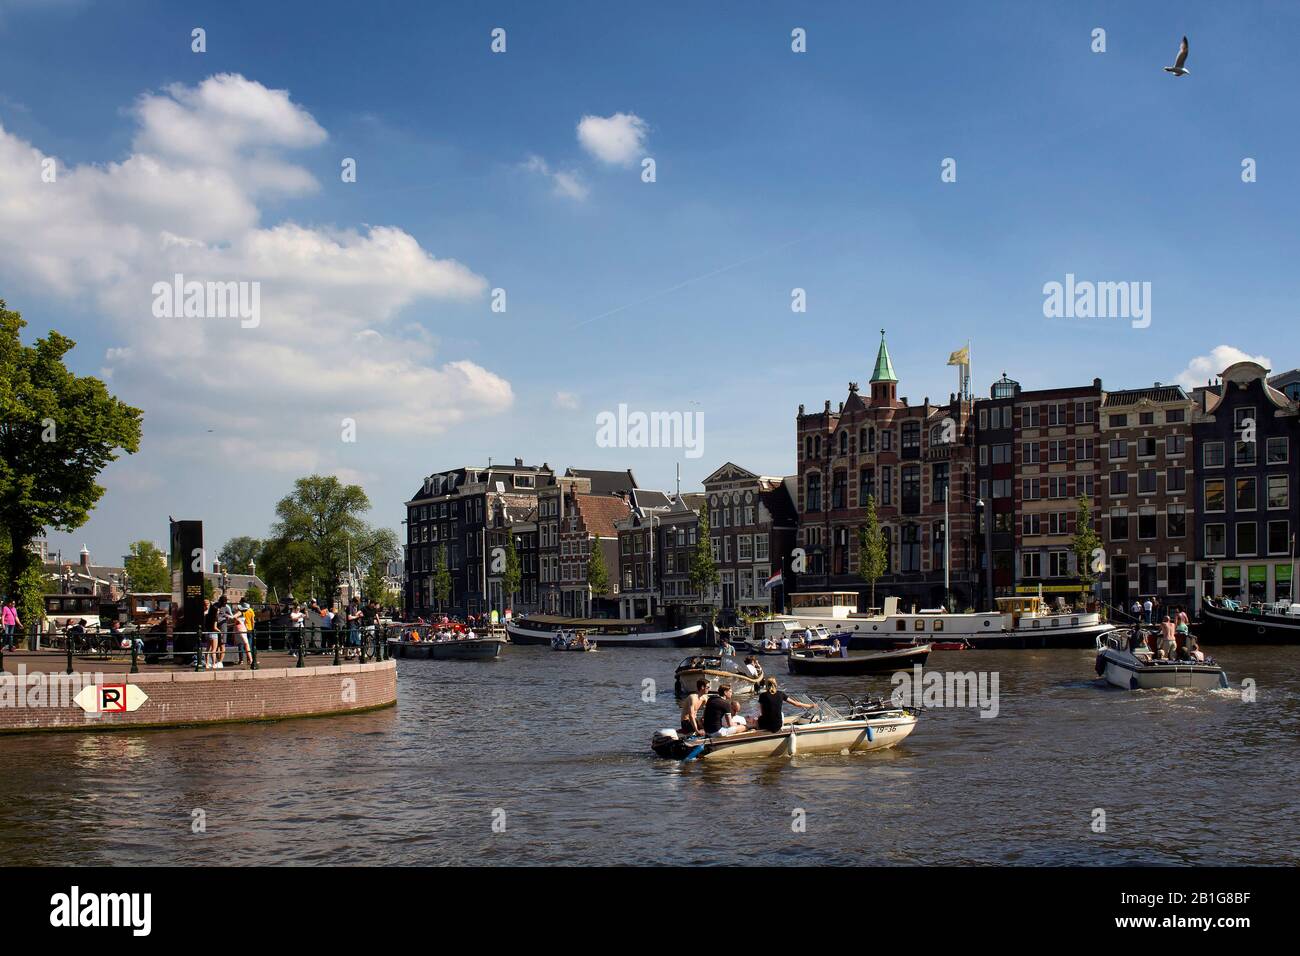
(566,400)
(563,183)
(189,200)
(1203,368)
(618,139)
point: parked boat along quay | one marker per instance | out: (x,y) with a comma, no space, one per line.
(556,746)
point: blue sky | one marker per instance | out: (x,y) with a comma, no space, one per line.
(775,170)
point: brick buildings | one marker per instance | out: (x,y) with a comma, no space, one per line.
(752,524)
(1055,453)
(451,512)
(995,439)
(1145,495)
(655,542)
(909,458)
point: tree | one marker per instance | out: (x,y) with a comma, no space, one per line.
(237,552)
(441,577)
(254,595)
(597,571)
(873,552)
(703,572)
(319,522)
(1085,542)
(146,568)
(513,575)
(375,585)
(58,431)
(209,589)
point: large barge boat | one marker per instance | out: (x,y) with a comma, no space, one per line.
(612,632)
(1019,622)
(1225,622)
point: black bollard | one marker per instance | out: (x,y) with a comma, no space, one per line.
(253,650)
(198,645)
(68,641)
(302,640)
(135,663)
(337,642)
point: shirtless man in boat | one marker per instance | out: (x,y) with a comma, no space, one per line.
(1167,648)
(691,709)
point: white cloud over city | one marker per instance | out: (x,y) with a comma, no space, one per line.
(1204,368)
(190,199)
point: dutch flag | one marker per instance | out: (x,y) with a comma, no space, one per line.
(772,582)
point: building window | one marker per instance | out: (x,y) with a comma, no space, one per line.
(1175,479)
(911,437)
(1177,575)
(1146,448)
(1213,498)
(911,548)
(911,489)
(1279,537)
(1175,415)
(839,489)
(939,482)
(1277,451)
(1244,499)
(1278,492)
(1241,415)
(866,486)
(1246,543)
(1147,481)
(1118,449)
(1216,539)
(1147,524)
(1119,482)
(1030,564)
(1119,524)
(1212,454)
(1176,521)
(1030,455)
(1243,453)
(1058,564)
(1117,421)
(813,494)
(1175,445)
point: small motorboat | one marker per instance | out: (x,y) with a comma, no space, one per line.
(716,670)
(572,642)
(1125,660)
(475,649)
(813,663)
(861,725)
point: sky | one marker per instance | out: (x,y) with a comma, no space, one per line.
(524,171)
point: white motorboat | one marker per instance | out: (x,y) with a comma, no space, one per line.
(1125,660)
(866,725)
(1025,621)
(715,669)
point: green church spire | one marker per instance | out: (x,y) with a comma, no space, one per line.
(884,367)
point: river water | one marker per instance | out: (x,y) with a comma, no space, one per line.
(554,750)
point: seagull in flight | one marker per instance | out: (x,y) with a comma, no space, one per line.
(1177,68)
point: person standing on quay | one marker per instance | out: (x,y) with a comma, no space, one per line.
(9,617)
(1147,608)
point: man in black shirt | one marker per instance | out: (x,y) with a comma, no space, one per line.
(717,712)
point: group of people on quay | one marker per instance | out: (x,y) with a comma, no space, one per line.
(706,714)
(227,623)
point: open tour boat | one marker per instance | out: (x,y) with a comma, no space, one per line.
(1124,660)
(864,725)
(477,649)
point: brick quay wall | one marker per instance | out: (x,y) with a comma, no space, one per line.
(44,701)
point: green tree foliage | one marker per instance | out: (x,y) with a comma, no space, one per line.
(441,577)
(146,568)
(254,595)
(703,573)
(873,553)
(1086,540)
(316,524)
(597,570)
(57,433)
(513,574)
(237,552)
